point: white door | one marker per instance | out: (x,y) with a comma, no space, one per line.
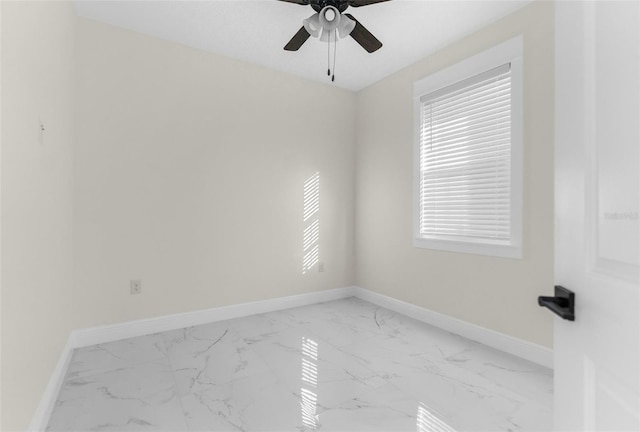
(597,356)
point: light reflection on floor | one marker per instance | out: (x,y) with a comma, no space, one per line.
(428,421)
(308,404)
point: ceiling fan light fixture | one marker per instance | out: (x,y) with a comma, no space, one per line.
(346,26)
(329,18)
(344,29)
(312,25)
(327,36)
(329,14)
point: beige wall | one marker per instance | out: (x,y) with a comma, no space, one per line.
(189,176)
(187,173)
(36,192)
(499,294)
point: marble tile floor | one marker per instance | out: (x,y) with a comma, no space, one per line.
(344,365)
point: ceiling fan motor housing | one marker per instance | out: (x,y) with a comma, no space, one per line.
(340,5)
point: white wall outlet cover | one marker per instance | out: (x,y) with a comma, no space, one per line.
(41,131)
(136,286)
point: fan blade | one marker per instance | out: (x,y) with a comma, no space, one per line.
(300,2)
(358,3)
(297,40)
(364,37)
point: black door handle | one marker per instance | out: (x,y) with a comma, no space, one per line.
(562,304)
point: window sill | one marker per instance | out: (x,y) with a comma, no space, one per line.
(494,250)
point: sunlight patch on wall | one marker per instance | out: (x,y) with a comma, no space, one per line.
(311,223)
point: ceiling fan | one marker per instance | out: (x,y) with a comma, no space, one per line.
(330,21)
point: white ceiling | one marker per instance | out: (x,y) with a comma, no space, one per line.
(256,31)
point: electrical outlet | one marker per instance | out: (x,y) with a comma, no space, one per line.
(40,132)
(321,267)
(136,286)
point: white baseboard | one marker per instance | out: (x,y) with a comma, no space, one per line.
(113,332)
(509,344)
(518,347)
(47,401)
(103,334)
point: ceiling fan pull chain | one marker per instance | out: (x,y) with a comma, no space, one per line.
(329,56)
(335,50)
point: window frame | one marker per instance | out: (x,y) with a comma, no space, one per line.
(507,52)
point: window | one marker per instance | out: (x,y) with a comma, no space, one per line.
(468,167)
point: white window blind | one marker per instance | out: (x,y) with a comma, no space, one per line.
(465,160)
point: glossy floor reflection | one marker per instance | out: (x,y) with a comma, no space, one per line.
(344,365)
